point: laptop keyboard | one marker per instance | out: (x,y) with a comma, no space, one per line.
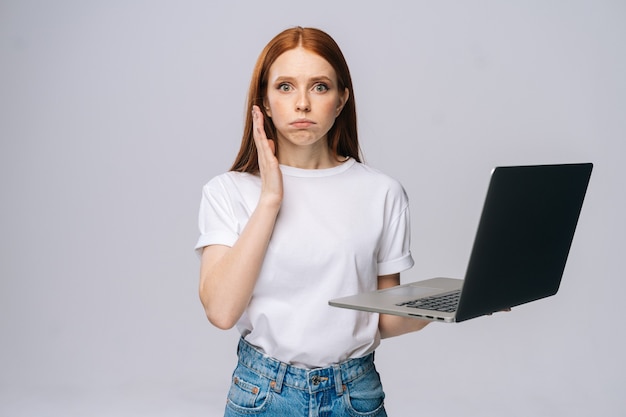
(444,302)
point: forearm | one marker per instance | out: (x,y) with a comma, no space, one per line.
(229,274)
(390,326)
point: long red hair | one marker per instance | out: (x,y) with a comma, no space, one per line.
(342,137)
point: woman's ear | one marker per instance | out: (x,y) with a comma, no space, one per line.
(342,101)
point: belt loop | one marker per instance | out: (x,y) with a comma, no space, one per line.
(278,383)
(338,381)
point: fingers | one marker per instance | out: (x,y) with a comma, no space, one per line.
(505,310)
(258,127)
(269,168)
(257,122)
(265,147)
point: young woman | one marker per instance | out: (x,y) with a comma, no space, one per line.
(299,220)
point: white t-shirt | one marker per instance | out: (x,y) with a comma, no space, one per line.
(338,229)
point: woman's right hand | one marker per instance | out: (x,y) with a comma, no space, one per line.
(269,169)
(228,274)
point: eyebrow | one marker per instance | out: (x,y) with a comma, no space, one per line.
(317,78)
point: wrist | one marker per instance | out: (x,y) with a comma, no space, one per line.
(271,202)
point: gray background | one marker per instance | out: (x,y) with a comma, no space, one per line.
(113,114)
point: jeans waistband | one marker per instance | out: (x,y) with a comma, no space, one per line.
(312,380)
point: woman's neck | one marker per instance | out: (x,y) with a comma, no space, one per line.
(307,158)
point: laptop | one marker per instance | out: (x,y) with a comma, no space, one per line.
(520,249)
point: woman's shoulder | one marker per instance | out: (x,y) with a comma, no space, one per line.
(376,175)
(227,182)
(232,177)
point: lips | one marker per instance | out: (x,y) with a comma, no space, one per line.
(302,123)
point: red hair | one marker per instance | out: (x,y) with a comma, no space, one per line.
(342,137)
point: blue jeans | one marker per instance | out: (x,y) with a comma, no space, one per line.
(263,386)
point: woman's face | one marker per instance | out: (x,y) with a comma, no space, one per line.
(303,100)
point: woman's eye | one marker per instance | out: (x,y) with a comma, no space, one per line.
(321,88)
(284,87)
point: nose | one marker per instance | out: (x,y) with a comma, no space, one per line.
(303,104)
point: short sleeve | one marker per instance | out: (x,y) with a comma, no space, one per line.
(395,248)
(216,219)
